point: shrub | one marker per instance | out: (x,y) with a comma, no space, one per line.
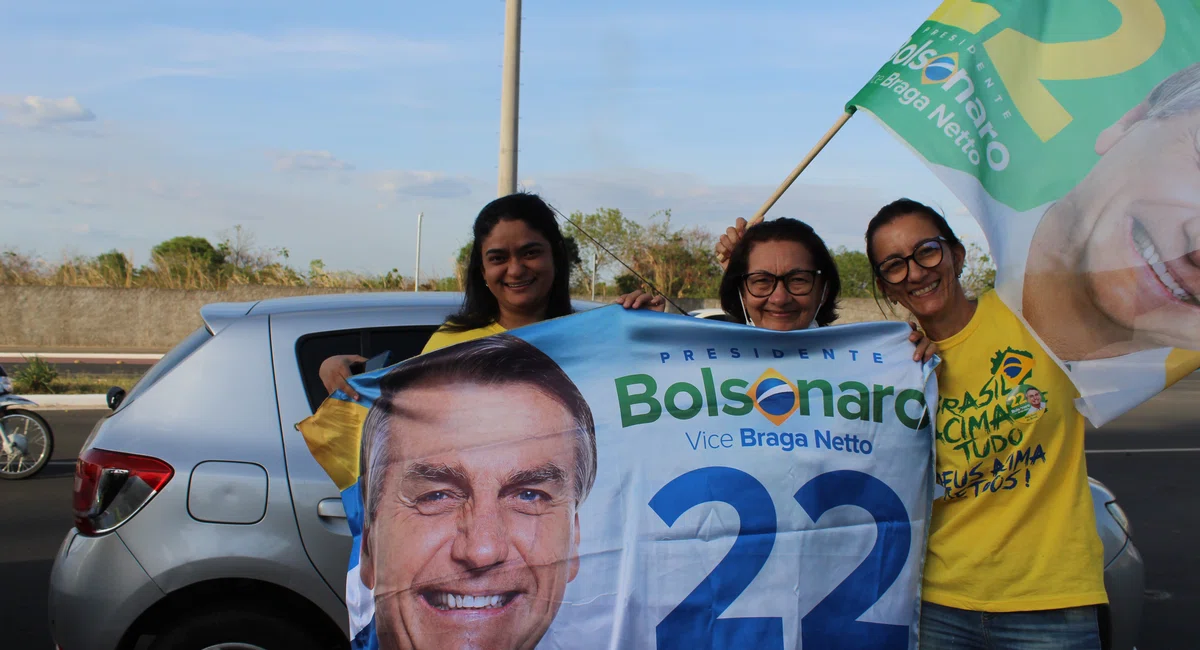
(35,377)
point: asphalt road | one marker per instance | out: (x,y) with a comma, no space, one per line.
(1148,458)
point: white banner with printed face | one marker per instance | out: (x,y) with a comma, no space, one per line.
(620,479)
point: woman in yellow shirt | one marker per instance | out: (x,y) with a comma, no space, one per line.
(518,273)
(1013,558)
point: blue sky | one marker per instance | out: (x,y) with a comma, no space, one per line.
(326,127)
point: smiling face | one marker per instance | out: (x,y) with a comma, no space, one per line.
(518,265)
(781,311)
(1127,239)
(1034,397)
(927,293)
(476,533)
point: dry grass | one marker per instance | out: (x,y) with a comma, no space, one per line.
(20,269)
(69,383)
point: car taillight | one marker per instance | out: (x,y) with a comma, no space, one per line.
(110,487)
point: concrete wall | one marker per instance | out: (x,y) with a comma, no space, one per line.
(154,320)
(129,320)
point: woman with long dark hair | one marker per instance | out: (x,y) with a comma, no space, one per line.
(1013,557)
(518,273)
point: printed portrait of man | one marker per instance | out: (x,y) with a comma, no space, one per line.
(475,460)
(1114,267)
(1026,403)
(1033,397)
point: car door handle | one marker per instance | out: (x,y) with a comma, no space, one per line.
(331,508)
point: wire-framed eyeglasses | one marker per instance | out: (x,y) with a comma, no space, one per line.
(761,284)
(927,254)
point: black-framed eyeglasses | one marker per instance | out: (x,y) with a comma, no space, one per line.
(927,254)
(761,284)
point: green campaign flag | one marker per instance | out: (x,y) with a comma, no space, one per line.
(1071,131)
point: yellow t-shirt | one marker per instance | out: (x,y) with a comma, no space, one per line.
(443,338)
(1013,527)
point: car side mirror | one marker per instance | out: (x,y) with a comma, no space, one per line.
(114,397)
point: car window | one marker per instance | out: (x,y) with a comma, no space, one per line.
(403,343)
(312,350)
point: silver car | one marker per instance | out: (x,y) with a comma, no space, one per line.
(203,520)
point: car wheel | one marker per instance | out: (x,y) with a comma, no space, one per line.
(229,629)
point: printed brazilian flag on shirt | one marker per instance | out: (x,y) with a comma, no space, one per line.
(1064,128)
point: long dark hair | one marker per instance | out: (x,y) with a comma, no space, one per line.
(781,229)
(479,307)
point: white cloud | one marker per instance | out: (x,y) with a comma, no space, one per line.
(309,161)
(33,111)
(173,191)
(19,182)
(289,47)
(434,185)
(102,58)
(87,203)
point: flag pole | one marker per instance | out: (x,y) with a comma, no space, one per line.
(417,271)
(510,89)
(758,216)
(841,121)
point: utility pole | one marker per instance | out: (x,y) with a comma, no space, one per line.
(417,271)
(595,260)
(509,97)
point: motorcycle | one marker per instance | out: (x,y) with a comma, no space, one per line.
(26,442)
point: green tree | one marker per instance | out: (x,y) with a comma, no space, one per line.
(115,268)
(979,272)
(608,227)
(189,249)
(460,264)
(680,262)
(855,271)
(627,282)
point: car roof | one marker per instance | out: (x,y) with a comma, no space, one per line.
(219,314)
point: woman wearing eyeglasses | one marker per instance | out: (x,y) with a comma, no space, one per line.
(1013,557)
(779,275)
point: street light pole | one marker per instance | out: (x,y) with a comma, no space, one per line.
(417,271)
(509,97)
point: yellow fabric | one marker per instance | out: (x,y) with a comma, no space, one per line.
(334,433)
(443,338)
(1180,364)
(1013,527)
